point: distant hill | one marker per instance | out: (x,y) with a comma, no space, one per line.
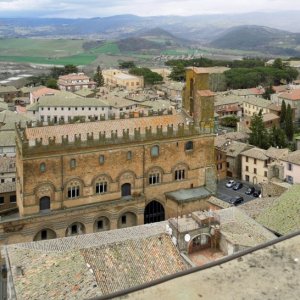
(162,36)
(259,38)
(200,28)
(138,44)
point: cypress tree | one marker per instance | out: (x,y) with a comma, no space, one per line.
(98,77)
(289,128)
(282,114)
(259,135)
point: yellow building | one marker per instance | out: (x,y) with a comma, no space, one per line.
(115,77)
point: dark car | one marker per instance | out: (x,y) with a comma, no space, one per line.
(250,190)
(237,186)
(256,194)
(236,200)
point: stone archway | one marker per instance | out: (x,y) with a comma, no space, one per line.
(127,219)
(199,242)
(154,212)
(101,224)
(75,228)
(45,234)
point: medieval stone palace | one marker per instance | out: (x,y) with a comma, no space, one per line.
(100,175)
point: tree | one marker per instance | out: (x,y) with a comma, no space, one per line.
(278,137)
(51,83)
(289,127)
(259,135)
(282,114)
(98,77)
(149,76)
(127,65)
(268,92)
(229,121)
(278,63)
(178,73)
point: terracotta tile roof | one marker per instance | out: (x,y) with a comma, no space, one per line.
(74,76)
(43,91)
(280,88)
(283,215)
(293,157)
(240,229)
(134,262)
(257,91)
(274,107)
(91,265)
(256,153)
(270,117)
(205,93)
(277,153)
(293,95)
(104,126)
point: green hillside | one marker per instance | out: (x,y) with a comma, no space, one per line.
(259,38)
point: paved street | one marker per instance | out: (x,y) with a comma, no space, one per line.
(225,193)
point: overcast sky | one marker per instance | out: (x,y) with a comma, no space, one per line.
(100,8)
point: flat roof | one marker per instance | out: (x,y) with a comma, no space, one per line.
(185,195)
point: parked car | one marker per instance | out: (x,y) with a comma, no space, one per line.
(256,194)
(250,190)
(230,183)
(236,200)
(237,186)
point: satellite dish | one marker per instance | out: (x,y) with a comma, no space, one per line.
(170,231)
(174,240)
(187,238)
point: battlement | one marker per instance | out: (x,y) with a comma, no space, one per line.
(33,138)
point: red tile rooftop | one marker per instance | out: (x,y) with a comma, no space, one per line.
(291,95)
(105,126)
(205,93)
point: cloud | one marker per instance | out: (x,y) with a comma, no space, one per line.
(95,8)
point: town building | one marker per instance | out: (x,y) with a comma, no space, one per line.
(255,165)
(8,93)
(94,176)
(65,107)
(7,183)
(291,97)
(36,93)
(75,82)
(228,105)
(117,78)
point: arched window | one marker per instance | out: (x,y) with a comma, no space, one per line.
(126,189)
(75,229)
(101,185)
(189,146)
(154,177)
(45,204)
(42,167)
(180,172)
(73,189)
(73,163)
(155,151)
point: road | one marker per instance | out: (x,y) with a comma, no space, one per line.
(224,193)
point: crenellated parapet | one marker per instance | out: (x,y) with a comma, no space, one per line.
(33,139)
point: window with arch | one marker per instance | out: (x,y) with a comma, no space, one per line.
(73,163)
(101,159)
(73,189)
(154,177)
(155,151)
(189,146)
(180,174)
(42,167)
(101,185)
